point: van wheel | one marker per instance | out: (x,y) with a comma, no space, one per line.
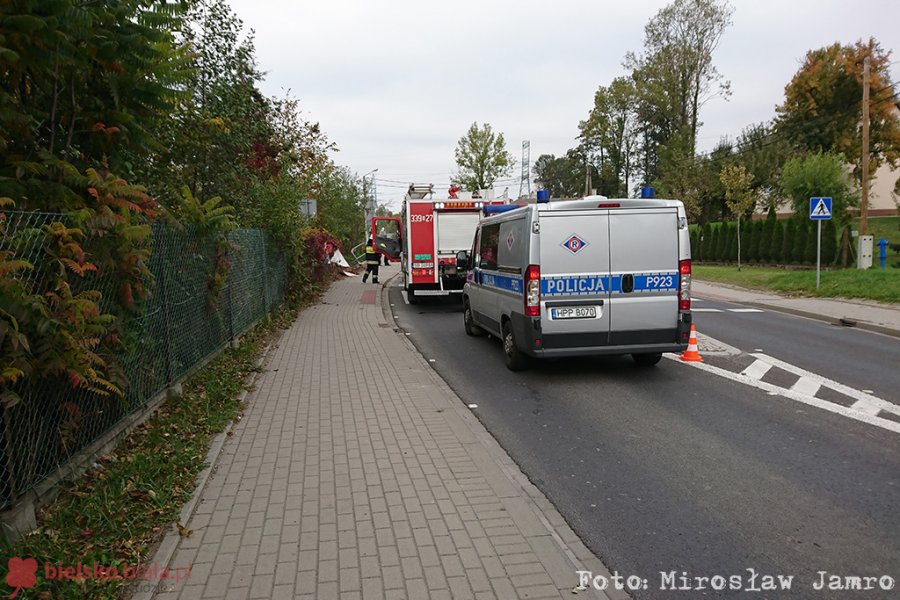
(647,360)
(469,323)
(411,296)
(515,360)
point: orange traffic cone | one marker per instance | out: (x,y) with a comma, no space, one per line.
(692,354)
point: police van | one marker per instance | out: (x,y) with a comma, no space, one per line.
(581,277)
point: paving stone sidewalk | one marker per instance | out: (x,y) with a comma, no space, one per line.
(357,473)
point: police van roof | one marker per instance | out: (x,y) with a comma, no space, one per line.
(604,202)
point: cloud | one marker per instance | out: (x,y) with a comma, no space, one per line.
(397,83)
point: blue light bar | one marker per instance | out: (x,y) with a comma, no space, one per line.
(493,209)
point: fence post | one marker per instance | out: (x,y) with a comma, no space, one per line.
(172,389)
(228,285)
(265,278)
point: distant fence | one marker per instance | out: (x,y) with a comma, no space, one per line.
(180,327)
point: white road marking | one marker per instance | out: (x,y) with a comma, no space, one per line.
(745,310)
(405,296)
(774,390)
(866,406)
(838,387)
(807,386)
(706,310)
(757,370)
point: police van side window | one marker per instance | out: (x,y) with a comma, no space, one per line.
(490,240)
(511,245)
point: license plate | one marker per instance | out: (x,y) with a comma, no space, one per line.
(574,312)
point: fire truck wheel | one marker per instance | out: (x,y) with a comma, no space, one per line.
(471,328)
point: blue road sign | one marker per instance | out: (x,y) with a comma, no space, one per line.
(820,209)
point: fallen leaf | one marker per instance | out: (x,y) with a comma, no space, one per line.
(86,533)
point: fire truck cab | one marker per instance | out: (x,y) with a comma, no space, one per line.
(432,232)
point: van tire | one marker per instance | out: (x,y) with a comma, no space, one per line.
(647,360)
(411,296)
(469,323)
(515,360)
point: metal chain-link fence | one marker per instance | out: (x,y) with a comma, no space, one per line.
(184,319)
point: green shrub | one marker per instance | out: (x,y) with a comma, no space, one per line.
(776,241)
(801,231)
(787,241)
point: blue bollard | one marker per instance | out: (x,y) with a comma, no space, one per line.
(882,252)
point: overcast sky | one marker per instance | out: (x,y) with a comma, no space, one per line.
(396,83)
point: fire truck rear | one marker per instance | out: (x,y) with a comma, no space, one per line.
(433,231)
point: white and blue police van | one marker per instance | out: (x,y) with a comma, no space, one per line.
(581,277)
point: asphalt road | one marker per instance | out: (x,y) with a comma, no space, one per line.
(854,357)
(672,469)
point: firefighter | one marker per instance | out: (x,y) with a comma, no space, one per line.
(373,259)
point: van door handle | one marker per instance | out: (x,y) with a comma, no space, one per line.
(627,283)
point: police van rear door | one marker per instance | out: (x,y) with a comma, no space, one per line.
(644,283)
(575,263)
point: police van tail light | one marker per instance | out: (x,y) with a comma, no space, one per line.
(533,291)
(684,285)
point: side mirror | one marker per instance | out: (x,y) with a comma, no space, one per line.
(462,260)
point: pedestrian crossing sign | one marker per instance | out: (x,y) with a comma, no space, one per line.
(820,209)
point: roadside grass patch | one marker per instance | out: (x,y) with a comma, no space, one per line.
(882,285)
(120,508)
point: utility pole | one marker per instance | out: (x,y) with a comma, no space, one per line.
(864,203)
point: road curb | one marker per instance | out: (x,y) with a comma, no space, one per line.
(827,319)
(168,546)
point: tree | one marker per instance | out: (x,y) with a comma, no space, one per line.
(829,243)
(801,232)
(609,135)
(721,242)
(787,241)
(765,242)
(738,195)
(763,152)
(482,158)
(777,242)
(563,177)
(676,72)
(822,107)
(706,242)
(815,175)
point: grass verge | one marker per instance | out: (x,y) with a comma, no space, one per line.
(117,511)
(872,284)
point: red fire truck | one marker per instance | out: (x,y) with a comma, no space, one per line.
(432,231)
